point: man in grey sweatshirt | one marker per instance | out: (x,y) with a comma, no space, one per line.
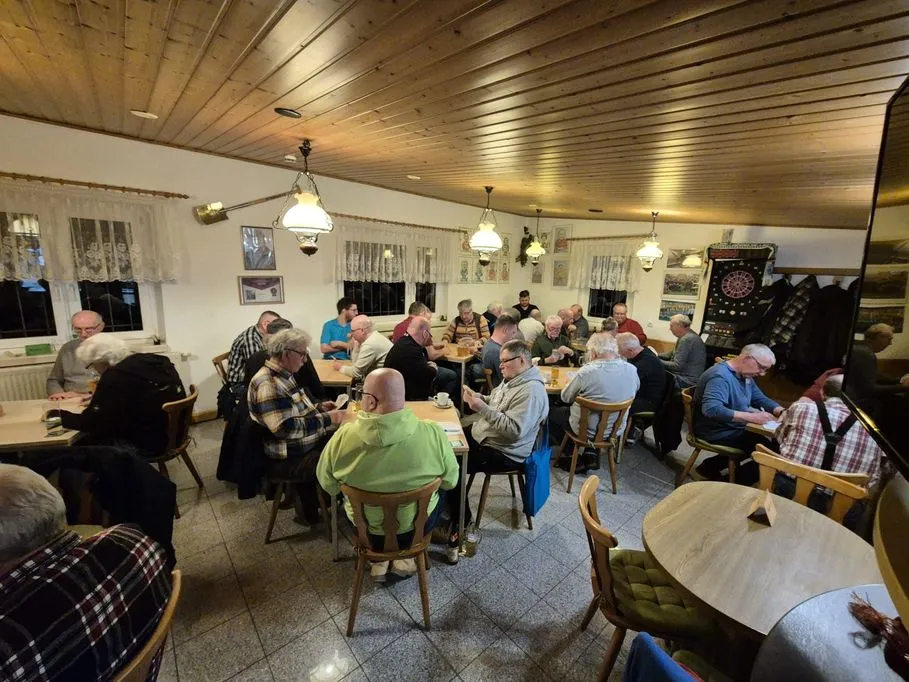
(689,358)
(70,378)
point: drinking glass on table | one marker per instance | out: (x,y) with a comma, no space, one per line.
(52,420)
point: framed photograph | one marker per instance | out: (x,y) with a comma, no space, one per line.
(885,284)
(479,272)
(560,243)
(258,248)
(492,271)
(676,258)
(681,284)
(536,273)
(888,253)
(504,270)
(560,273)
(255,290)
(464,269)
(888,314)
(669,308)
(546,241)
(506,245)
(464,242)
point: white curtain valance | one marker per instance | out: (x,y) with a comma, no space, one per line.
(603,265)
(374,252)
(93,235)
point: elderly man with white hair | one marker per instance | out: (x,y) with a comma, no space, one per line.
(689,357)
(69,378)
(493,310)
(605,378)
(552,347)
(726,399)
(125,410)
(73,609)
(368,349)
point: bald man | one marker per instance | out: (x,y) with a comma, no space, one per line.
(69,378)
(387,449)
(368,349)
(409,356)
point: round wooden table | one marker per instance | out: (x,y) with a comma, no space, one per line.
(752,574)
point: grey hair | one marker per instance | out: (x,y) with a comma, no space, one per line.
(102,348)
(627,341)
(833,387)
(466,304)
(554,318)
(507,319)
(517,347)
(493,306)
(609,324)
(287,339)
(758,350)
(601,343)
(877,331)
(682,320)
(32,512)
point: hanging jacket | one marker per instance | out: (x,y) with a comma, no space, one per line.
(787,324)
(242,459)
(768,306)
(823,336)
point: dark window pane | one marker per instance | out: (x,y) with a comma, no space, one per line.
(426,294)
(26,309)
(376,298)
(602,300)
(116,302)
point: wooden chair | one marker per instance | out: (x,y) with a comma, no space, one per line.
(219,362)
(624,585)
(847,488)
(604,439)
(390,502)
(137,669)
(733,454)
(179,417)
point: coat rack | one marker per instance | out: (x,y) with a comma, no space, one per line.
(843,272)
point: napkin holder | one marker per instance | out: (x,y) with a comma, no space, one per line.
(763,510)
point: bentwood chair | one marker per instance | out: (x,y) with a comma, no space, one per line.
(631,591)
(179,417)
(219,362)
(847,489)
(607,436)
(137,670)
(419,547)
(734,455)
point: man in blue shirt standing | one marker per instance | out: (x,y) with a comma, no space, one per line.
(335,341)
(727,399)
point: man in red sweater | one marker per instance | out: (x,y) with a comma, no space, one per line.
(626,324)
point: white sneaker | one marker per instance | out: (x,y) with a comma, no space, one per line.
(379,570)
(452,554)
(404,568)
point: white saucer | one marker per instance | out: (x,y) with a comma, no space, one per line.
(440,407)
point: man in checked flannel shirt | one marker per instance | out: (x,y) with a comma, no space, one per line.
(71,609)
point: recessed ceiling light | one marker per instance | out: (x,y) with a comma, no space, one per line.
(595,210)
(144,114)
(290,158)
(414,177)
(290,113)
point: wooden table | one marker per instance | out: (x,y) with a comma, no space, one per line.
(21,427)
(566,374)
(327,374)
(750,573)
(762,430)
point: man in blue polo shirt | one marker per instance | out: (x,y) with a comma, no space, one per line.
(335,341)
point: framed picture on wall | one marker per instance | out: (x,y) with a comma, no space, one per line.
(504,270)
(669,308)
(888,314)
(885,284)
(256,290)
(464,269)
(560,235)
(492,271)
(464,242)
(560,273)
(258,248)
(685,258)
(682,284)
(479,273)
(536,273)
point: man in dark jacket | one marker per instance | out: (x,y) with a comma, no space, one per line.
(651,373)
(421,377)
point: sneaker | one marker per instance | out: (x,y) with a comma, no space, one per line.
(379,571)
(403,568)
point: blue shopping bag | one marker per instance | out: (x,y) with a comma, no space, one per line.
(536,473)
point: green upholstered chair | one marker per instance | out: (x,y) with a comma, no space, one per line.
(631,591)
(733,454)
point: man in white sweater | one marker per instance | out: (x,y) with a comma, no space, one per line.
(368,350)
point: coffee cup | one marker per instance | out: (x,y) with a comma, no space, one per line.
(442,399)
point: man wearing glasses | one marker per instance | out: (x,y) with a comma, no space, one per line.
(409,356)
(70,378)
(726,399)
(368,349)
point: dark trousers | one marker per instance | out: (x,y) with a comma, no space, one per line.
(301,470)
(558,423)
(745,474)
(447,381)
(405,539)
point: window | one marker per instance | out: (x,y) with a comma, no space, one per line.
(26,309)
(602,300)
(116,302)
(377,298)
(426,294)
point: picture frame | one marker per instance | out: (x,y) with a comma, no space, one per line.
(464,270)
(560,235)
(888,314)
(260,290)
(504,271)
(536,273)
(668,308)
(894,252)
(682,284)
(560,272)
(492,271)
(676,258)
(885,284)
(258,248)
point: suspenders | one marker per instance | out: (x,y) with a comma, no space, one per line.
(832,437)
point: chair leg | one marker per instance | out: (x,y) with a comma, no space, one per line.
(687,468)
(574,463)
(523,493)
(591,612)
(424,587)
(611,454)
(511,483)
(426,558)
(323,509)
(275,503)
(358,585)
(615,646)
(482,505)
(470,482)
(562,445)
(731,470)
(192,468)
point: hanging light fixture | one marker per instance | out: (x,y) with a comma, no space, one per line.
(650,251)
(535,250)
(486,241)
(306,218)
(692,260)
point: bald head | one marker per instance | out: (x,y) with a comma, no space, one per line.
(536,314)
(87,323)
(418,330)
(383,391)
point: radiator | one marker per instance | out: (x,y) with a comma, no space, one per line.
(23,383)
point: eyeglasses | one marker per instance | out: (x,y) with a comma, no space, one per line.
(507,360)
(302,353)
(83,330)
(759,365)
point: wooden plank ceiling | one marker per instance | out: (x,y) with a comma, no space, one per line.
(717,111)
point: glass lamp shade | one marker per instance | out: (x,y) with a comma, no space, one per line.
(649,253)
(692,260)
(306,216)
(486,239)
(535,250)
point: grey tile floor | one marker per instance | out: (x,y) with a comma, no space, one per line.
(257,612)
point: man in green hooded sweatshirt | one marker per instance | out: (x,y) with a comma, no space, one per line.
(387,449)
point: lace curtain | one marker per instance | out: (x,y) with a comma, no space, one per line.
(373,252)
(92,235)
(602,265)
(20,247)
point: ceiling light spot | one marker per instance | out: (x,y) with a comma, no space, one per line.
(290,113)
(144,114)
(595,210)
(414,177)
(290,158)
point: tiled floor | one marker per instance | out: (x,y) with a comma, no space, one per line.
(279,612)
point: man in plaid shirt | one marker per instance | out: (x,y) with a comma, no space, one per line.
(244,346)
(71,609)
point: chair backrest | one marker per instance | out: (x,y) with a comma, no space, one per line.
(599,540)
(606,433)
(179,417)
(137,669)
(389,502)
(488,374)
(218,361)
(688,402)
(847,488)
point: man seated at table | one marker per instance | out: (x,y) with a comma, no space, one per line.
(579,326)
(626,324)
(125,410)
(651,373)
(69,378)
(299,425)
(73,609)
(726,399)
(493,310)
(524,306)
(243,348)
(552,347)
(689,357)
(506,330)
(335,340)
(507,422)
(416,309)
(605,378)
(369,349)
(409,355)
(387,449)
(307,377)
(866,383)
(468,327)
(531,327)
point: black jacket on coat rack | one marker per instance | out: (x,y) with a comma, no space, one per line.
(823,336)
(768,306)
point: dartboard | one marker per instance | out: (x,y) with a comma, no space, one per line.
(738,284)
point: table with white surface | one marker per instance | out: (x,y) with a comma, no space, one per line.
(22,427)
